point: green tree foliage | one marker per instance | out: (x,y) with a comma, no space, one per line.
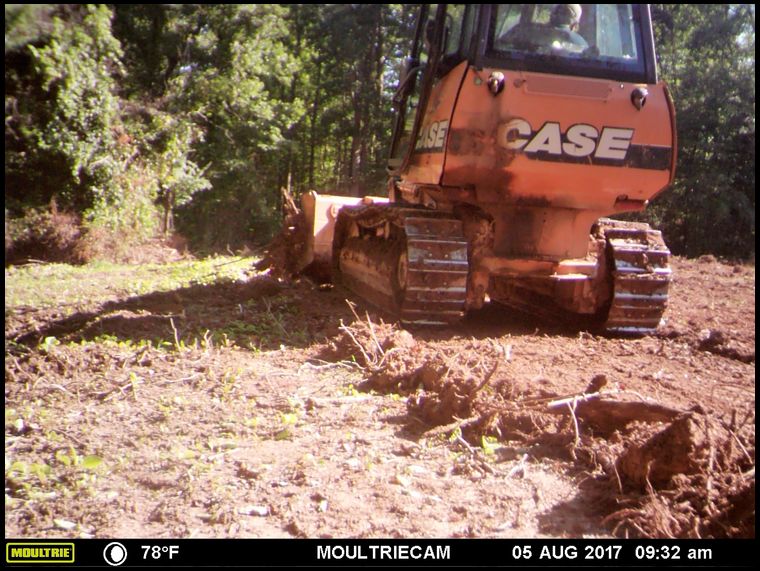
(707,56)
(134,116)
(77,70)
(26,24)
(353,63)
(236,86)
(178,177)
(61,107)
(74,142)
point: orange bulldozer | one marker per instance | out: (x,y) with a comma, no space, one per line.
(519,129)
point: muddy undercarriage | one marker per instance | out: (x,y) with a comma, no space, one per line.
(429,267)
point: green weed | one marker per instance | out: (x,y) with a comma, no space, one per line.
(48,344)
(489,444)
(288,421)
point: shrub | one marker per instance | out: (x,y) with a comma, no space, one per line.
(43,235)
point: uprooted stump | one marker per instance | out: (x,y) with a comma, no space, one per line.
(444,384)
(693,479)
(284,255)
(690,445)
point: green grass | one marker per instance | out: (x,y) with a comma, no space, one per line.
(55,285)
(254,324)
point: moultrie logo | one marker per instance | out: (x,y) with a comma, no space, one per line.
(33,552)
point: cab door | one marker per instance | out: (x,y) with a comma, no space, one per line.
(408,95)
(430,83)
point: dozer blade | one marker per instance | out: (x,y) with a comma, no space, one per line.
(321,213)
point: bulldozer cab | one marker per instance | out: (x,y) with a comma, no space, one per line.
(603,41)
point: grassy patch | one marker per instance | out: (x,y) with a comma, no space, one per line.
(52,285)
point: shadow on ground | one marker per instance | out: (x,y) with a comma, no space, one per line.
(261,313)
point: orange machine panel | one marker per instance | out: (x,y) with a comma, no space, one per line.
(561,142)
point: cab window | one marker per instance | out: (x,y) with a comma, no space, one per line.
(600,40)
(457,35)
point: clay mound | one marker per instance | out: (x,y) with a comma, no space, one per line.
(736,510)
(456,384)
(368,344)
(447,386)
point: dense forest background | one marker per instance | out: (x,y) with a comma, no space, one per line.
(124,123)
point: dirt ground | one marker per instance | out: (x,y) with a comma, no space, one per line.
(313,419)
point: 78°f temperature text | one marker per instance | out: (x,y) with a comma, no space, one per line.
(159,551)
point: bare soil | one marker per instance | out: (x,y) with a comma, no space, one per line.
(323,420)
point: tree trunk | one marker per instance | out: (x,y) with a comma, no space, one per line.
(313,127)
(355,160)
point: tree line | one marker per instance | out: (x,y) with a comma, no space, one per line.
(125,122)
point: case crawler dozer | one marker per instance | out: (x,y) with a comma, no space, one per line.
(520,128)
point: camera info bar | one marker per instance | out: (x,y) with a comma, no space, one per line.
(378,552)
